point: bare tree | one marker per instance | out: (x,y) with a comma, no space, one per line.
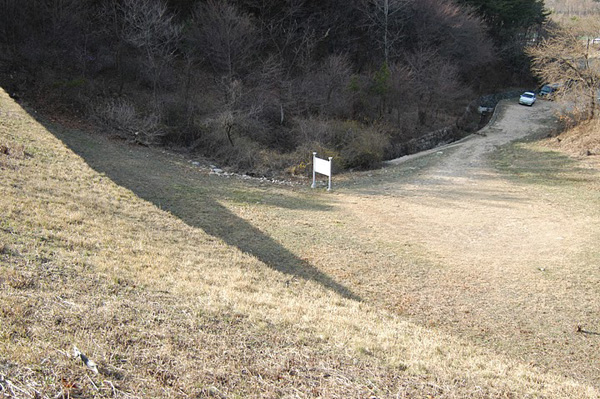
(437,82)
(54,18)
(324,89)
(453,31)
(385,19)
(401,90)
(148,26)
(236,113)
(336,70)
(225,35)
(225,38)
(288,28)
(270,89)
(567,58)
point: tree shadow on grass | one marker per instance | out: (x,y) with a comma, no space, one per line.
(173,186)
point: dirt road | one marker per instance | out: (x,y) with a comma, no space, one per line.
(505,262)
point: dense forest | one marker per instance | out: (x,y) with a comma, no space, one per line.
(259,84)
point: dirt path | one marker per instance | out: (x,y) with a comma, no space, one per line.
(510,122)
(504,263)
(475,216)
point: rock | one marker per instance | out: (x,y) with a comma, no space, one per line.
(87,361)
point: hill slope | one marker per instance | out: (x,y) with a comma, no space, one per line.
(198,301)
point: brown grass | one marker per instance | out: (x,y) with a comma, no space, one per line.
(181,284)
(583,140)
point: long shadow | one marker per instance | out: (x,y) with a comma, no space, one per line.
(586,332)
(173,186)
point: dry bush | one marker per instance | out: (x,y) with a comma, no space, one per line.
(354,145)
(312,130)
(569,8)
(579,140)
(363,148)
(236,142)
(220,138)
(257,123)
(178,115)
(302,158)
(121,118)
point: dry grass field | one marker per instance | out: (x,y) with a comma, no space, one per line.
(453,275)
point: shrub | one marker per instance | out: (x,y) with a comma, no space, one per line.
(219,139)
(353,145)
(363,148)
(121,118)
(301,159)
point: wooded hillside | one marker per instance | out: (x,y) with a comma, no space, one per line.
(259,84)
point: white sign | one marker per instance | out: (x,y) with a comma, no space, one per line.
(323,167)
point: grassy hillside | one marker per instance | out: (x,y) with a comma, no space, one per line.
(172,290)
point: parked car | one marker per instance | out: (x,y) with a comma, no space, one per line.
(547,91)
(527,98)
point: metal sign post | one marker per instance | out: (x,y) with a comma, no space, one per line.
(314,183)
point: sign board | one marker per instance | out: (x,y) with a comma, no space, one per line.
(323,167)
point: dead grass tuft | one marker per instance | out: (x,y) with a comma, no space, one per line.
(10,154)
(16,151)
(16,279)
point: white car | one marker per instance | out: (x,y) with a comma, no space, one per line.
(527,98)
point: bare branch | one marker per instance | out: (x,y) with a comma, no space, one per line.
(565,59)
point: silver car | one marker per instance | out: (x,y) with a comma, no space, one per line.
(527,98)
